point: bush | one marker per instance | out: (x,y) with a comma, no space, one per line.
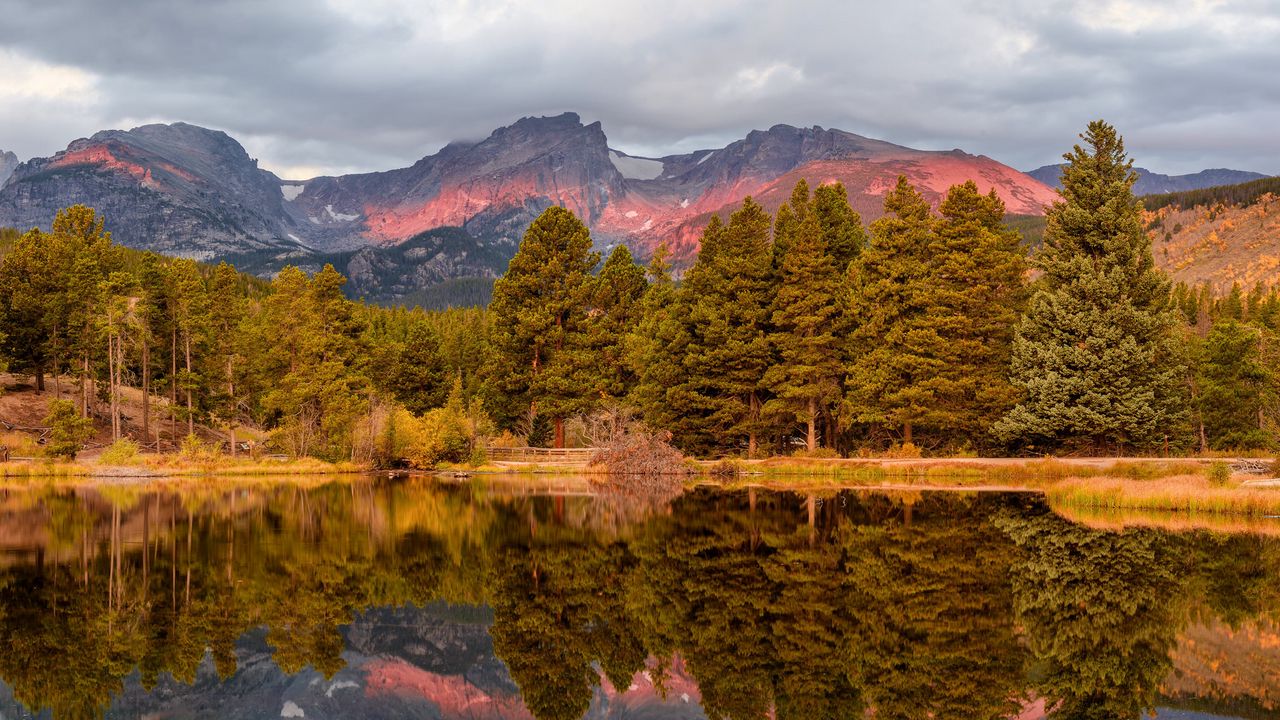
(121,452)
(1218,473)
(194,449)
(449,434)
(68,431)
(905,451)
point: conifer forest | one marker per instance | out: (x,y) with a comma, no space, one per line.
(932,330)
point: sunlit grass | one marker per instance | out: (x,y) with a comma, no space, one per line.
(1190,493)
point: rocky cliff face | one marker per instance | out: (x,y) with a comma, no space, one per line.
(1151,183)
(8,163)
(177,189)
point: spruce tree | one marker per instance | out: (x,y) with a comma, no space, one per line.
(807,317)
(615,308)
(841,225)
(539,313)
(656,352)
(729,295)
(895,350)
(1237,388)
(1095,352)
(975,292)
(788,220)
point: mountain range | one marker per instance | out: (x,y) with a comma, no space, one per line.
(1152,183)
(189,191)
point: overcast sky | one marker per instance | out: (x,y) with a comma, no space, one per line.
(313,87)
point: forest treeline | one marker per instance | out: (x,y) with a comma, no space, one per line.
(802,330)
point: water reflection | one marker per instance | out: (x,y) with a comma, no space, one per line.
(407,599)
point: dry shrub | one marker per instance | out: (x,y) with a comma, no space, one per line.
(627,449)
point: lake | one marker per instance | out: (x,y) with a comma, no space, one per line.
(413,598)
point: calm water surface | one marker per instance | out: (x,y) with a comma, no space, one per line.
(411,599)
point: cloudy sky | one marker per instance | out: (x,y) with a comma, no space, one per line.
(313,86)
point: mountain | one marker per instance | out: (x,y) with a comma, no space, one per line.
(184,190)
(494,188)
(8,163)
(1150,183)
(176,189)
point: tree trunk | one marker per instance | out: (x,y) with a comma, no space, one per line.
(812,439)
(1204,440)
(231,408)
(906,433)
(559,441)
(191,418)
(84,386)
(39,378)
(753,443)
(146,392)
(173,386)
(111,384)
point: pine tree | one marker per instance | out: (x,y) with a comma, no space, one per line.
(1095,352)
(415,373)
(227,308)
(539,312)
(896,353)
(615,308)
(788,220)
(656,352)
(807,318)
(191,308)
(729,295)
(975,292)
(1238,392)
(841,225)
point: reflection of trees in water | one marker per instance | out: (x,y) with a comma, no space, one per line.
(806,606)
(1102,612)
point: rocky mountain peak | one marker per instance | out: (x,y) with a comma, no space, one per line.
(8,163)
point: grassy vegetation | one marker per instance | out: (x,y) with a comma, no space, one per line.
(172,465)
(1031,474)
(1194,494)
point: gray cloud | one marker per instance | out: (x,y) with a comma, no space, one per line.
(374,84)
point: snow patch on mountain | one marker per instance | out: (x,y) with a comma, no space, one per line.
(341,217)
(291,192)
(634,168)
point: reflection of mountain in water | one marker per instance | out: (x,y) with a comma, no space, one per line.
(434,662)
(304,602)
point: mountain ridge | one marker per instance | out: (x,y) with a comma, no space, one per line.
(1153,183)
(184,190)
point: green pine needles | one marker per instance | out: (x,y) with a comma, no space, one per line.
(1096,353)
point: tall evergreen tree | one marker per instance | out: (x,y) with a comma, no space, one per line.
(788,220)
(895,350)
(1237,388)
(841,225)
(539,312)
(975,294)
(1095,352)
(656,353)
(614,312)
(807,320)
(729,295)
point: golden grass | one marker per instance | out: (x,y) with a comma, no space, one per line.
(1172,520)
(172,465)
(951,472)
(1189,493)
